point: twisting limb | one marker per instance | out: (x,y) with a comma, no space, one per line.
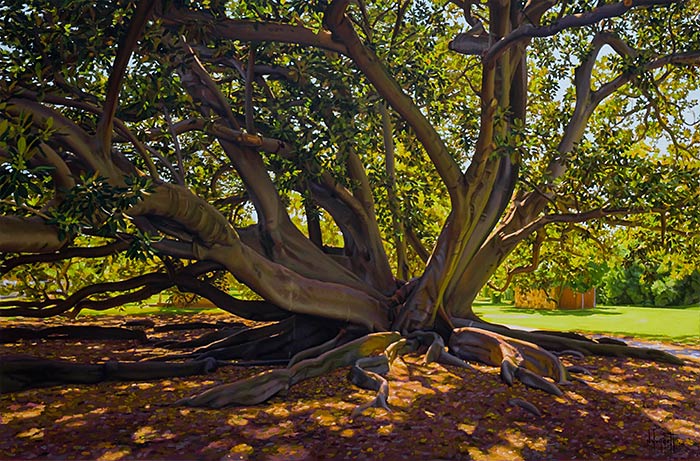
(527,30)
(178,174)
(145,285)
(78,300)
(119,127)
(397,222)
(523,269)
(65,253)
(198,81)
(258,310)
(282,241)
(67,133)
(36,235)
(416,244)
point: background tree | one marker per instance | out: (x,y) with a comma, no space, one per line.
(363,167)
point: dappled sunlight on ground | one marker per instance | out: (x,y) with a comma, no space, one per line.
(627,409)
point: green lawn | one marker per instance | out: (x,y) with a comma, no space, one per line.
(679,324)
(132,309)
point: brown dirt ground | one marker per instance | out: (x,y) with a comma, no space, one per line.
(628,409)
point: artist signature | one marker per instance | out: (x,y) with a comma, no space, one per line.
(663,441)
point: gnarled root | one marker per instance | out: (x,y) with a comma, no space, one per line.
(517,359)
(367,373)
(261,387)
(250,391)
(525,405)
(437,352)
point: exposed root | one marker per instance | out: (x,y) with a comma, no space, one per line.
(251,391)
(367,374)
(198,326)
(200,341)
(318,350)
(534,381)
(435,343)
(540,361)
(517,359)
(82,332)
(566,342)
(25,372)
(139,323)
(448,359)
(397,348)
(606,340)
(572,353)
(525,405)
(261,387)
(246,335)
(508,368)
(578,369)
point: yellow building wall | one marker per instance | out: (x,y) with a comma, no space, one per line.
(555,298)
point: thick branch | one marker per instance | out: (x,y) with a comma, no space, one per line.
(67,133)
(527,31)
(590,215)
(124,51)
(261,311)
(28,235)
(251,30)
(397,222)
(368,62)
(66,253)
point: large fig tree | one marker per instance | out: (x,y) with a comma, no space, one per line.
(363,168)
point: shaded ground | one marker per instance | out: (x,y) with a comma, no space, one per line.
(628,409)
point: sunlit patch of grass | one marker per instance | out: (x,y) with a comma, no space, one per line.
(678,324)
